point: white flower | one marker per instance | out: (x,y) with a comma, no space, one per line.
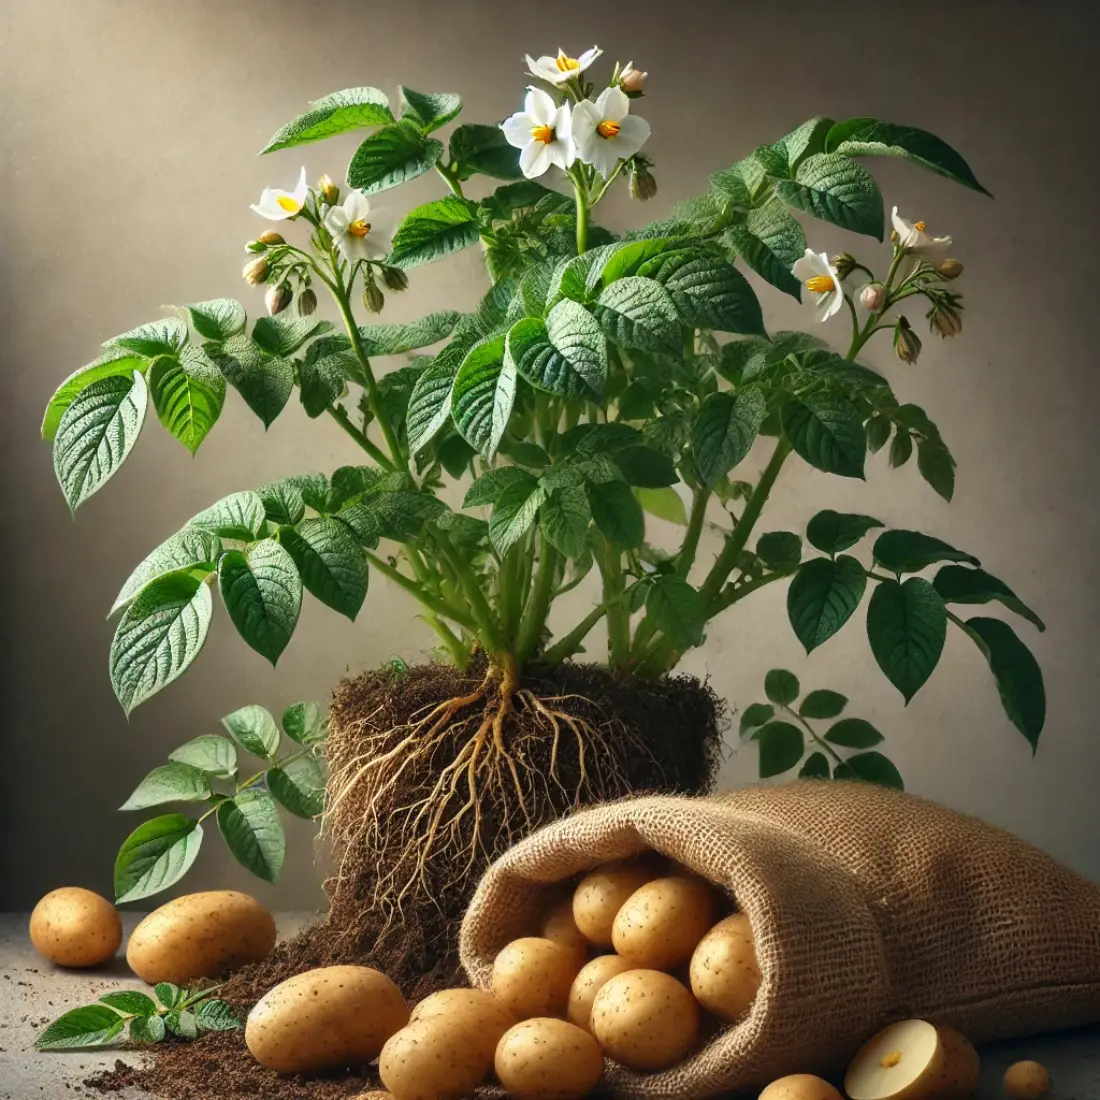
(544,131)
(912,237)
(557,70)
(277,206)
(631,79)
(820,277)
(349,224)
(606,132)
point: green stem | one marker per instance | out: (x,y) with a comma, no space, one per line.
(607,183)
(618,615)
(486,626)
(821,744)
(727,598)
(568,645)
(699,500)
(339,414)
(450,179)
(581,193)
(454,645)
(432,603)
(538,603)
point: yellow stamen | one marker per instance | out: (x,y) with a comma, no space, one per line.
(545,134)
(609,128)
(359,228)
(821,284)
(891,1059)
(919,226)
(566,64)
(291,206)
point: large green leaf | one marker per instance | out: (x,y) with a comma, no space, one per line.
(430,403)
(254,729)
(327,366)
(483,396)
(429,110)
(237,516)
(163,337)
(96,433)
(338,113)
(265,381)
(781,747)
(285,334)
(263,595)
(822,597)
(639,313)
(663,503)
(912,551)
(250,824)
(217,319)
(1019,678)
(566,355)
(781,686)
(282,502)
(115,362)
(564,518)
(174,782)
(646,468)
(330,561)
(676,609)
(398,515)
(217,756)
(957,584)
(827,431)
(485,149)
(617,513)
(864,137)
(158,636)
(514,513)
(433,231)
(81,1029)
(190,548)
(832,187)
(725,429)
(779,550)
(602,266)
(906,626)
(487,488)
(808,139)
(708,292)
(299,786)
(853,733)
(156,855)
(830,532)
(392,156)
(302,720)
(823,703)
(873,767)
(188,392)
(769,242)
(399,339)
(936,465)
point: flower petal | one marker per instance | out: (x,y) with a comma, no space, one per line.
(613,104)
(583,120)
(356,206)
(517,129)
(541,107)
(633,134)
(301,189)
(535,159)
(588,57)
(268,206)
(804,267)
(563,123)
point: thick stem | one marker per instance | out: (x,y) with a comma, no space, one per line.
(570,643)
(432,603)
(341,417)
(458,650)
(538,603)
(582,216)
(726,598)
(487,628)
(699,499)
(618,614)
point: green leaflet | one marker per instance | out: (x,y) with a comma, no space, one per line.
(827,431)
(906,626)
(163,337)
(394,155)
(399,339)
(299,787)
(564,518)
(912,551)
(565,355)
(217,319)
(832,187)
(115,362)
(483,395)
(338,113)
(677,610)
(250,824)
(429,110)
(188,549)
(781,747)
(254,729)
(173,782)
(476,148)
(769,241)
(781,686)
(188,393)
(957,584)
(156,855)
(823,596)
(285,334)
(725,429)
(513,514)
(330,562)
(1019,678)
(265,381)
(237,516)
(217,756)
(638,313)
(262,592)
(433,231)
(831,532)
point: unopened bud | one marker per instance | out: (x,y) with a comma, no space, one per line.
(395,278)
(373,298)
(894,238)
(873,297)
(255,272)
(949,269)
(632,81)
(307,302)
(329,191)
(907,343)
(255,246)
(845,264)
(269,236)
(946,320)
(643,185)
(278,297)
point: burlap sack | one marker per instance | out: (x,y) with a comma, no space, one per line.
(867,906)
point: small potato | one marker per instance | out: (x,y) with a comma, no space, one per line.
(200,936)
(662,922)
(324,1019)
(601,893)
(559,926)
(545,1059)
(75,927)
(646,1020)
(588,983)
(432,1060)
(533,976)
(1027,1081)
(800,1086)
(724,973)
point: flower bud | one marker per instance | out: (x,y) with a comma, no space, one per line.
(643,186)
(329,191)
(255,272)
(269,236)
(946,320)
(307,302)
(894,238)
(845,264)
(395,278)
(872,297)
(255,246)
(632,81)
(278,297)
(907,343)
(373,298)
(949,269)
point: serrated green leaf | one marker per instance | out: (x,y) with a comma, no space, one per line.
(338,113)
(169,994)
(483,395)
(429,110)
(147,1029)
(853,733)
(827,431)
(285,334)
(564,518)
(302,721)
(399,339)
(130,1002)
(754,716)
(262,592)
(487,488)
(912,551)
(174,782)
(433,231)
(676,609)
(299,786)
(781,747)
(476,148)
(957,584)
(164,337)
(831,532)
(217,319)
(638,313)
(815,767)
(832,187)
(330,562)
(254,729)
(264,381)
(191,548)
(822,597)
(646,468)
(822,703)
(617,513)
(156,855)
(282,502)
(708,291)
(182,1024)
(906,626)
(237,516)
(936,465)
(314,489)
(396,515)
(514,513)
(779,550)
(113,363)
(80,1028)
(323,373)
(781,686)
(566,355)
(214,755)
(394,155)
(250,824)
(1018,675)
(216,1015)
(769,241)
(725,430)
(188,393)
(808,139)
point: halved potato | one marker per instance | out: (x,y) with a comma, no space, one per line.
(905,1061)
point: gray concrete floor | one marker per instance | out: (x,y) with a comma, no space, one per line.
(32,993)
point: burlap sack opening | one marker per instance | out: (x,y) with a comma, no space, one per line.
(867,905)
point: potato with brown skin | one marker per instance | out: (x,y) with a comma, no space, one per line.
(533,976)
(1027,1081)
(560,926)
(661,923)
(800,1086)
(433,1059)
(324,1019)
(548,1059)
(482,1016)
(592,978)
(601,894)
(646,1020)
(724,972)
(75,927)
(962,1066)
(200,936)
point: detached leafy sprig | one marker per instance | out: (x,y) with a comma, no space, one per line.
(159,852)
(183,1013)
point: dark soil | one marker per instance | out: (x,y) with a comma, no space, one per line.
(663,736)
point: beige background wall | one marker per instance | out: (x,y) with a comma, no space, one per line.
(128,138)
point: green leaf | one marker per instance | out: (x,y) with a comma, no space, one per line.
(755,715)
(832,187)
(878,432)
(169,995)
(663,503)
(96,434)
(391,515)
(130,1002)
(901,450)
(285,334)
(646,468)
(564,518)
(237,516)
(867,137)
(906,626)
(188,393)
(250,824)
(302,721)
(617,513)
(191,548)
(158,636)
(476,148)
(91,1026)
(328,365)
(392,156)
(433,231)
(725,429)
(314,490)
(514,513)
(264,381)
(957,584)
(182,1025)
(638,313)
(214,755)
(873,767)
(830,532)
(781,747)
(263,595)
(853,733)
(780,550)
(114,363)
(566,355)
(823,704)
(215,1015)
(808,139)
(523,453)
(816,767)
(912,551)
(430,403)
(147,1029)
(1018,675)
(487,488)
(338,113)
(781,687)
(330,562)
(708,292)
(173,782)
(827,431)
(156,855)
(282,502)
(299,786)
(399,339)
(429,110)
(936,465)
(483,396)
(769,242)
(677,610)
(822,597)
(254,729)
(217,319)
(164,337)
